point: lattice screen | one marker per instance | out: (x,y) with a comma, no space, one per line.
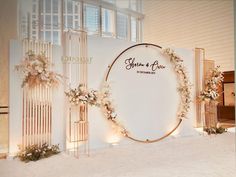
(37,103)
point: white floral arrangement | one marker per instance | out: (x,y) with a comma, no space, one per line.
(36,70)
(108,108)
(81,95)
(184,83)
(214,80)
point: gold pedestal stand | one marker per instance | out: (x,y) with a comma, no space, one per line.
(79,131)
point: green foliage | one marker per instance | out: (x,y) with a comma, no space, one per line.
(35,152)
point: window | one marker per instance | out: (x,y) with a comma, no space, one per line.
(110,1)
(133,5)
(55,37)
(133,29)
(91,19)
(107,23)
(71,15)
(33,19)
(55,22)
(55,6)
(50,20)
(46,20)
(122,26)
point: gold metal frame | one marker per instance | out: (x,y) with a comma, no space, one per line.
(199,83)
(77,131)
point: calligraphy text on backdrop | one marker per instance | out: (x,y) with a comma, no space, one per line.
(147,68)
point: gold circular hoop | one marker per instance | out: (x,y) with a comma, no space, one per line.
(106,79)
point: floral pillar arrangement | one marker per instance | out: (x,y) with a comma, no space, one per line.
(38,82)
(209,96)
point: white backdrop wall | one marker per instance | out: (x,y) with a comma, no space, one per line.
(102,51)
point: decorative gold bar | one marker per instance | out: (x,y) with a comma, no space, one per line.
(41,115)
(23,118)
(32,117)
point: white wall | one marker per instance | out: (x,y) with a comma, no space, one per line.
(206,24)
(15,97)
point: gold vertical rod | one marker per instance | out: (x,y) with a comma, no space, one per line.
(199,54)
(50,90)
(31,102)
(50,116)
(33,115)
(43,48)
(74,138)
(23,119)
(26,117)
(46,116)
(35,135)
(46,49)
(70,123)
(36,115)
(38,109)
(30,118)
(41,115)
(77,142)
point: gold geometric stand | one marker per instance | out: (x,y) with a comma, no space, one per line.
(78,130)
